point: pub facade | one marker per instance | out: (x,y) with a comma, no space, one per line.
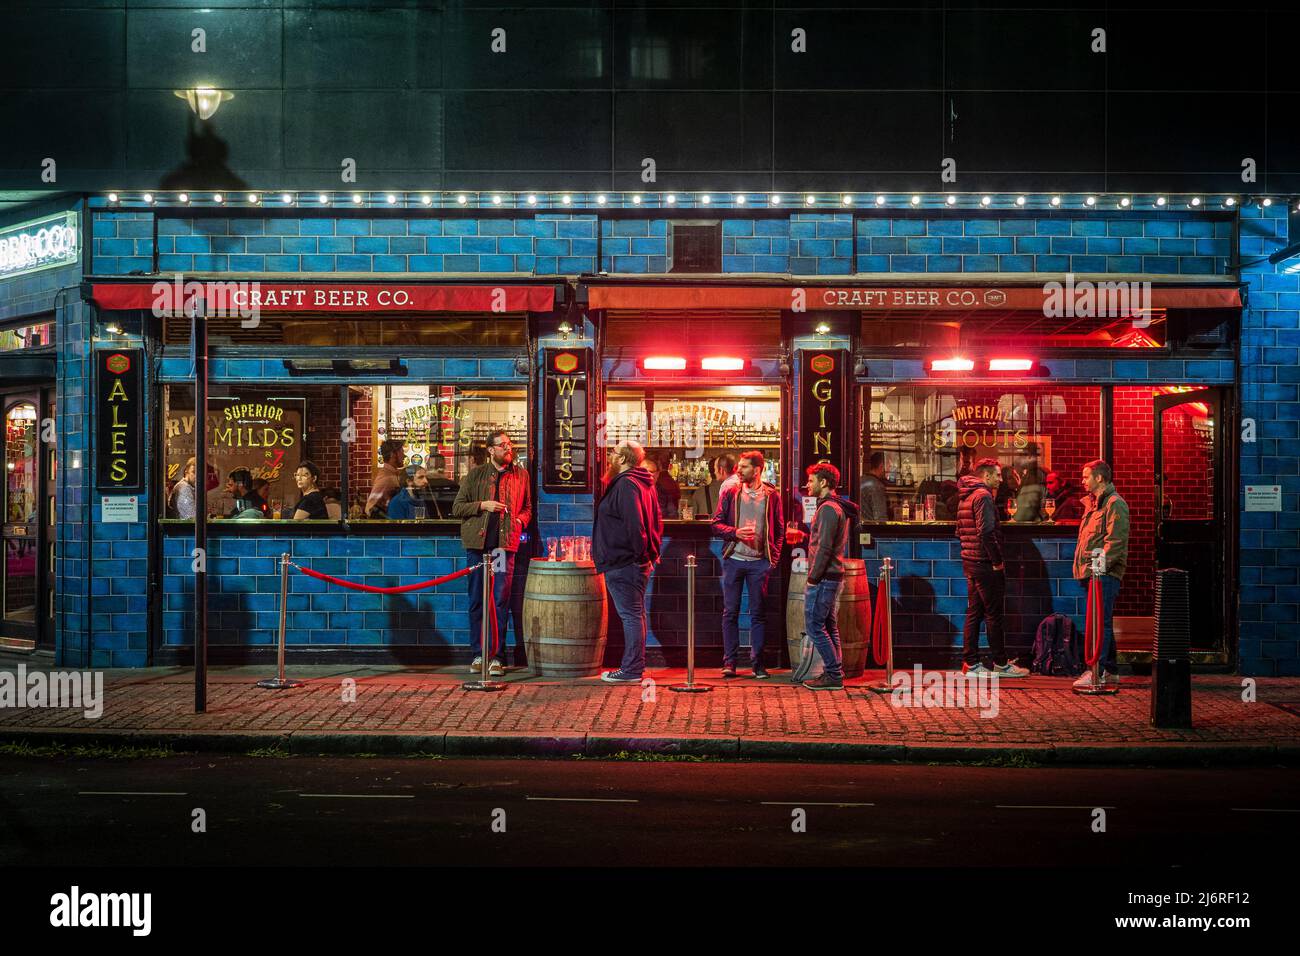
(899,337)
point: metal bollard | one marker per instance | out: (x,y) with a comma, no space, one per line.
(281,682)
(484,683)
(882,594)
(690,687)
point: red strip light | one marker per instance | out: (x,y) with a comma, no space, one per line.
(722,363)
(1010,365)
(663,363)
(951,365)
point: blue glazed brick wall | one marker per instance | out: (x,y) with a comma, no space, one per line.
(544,244)
(1075,242)
(1093,371)
(122,242)
(928,591)
(1269,608)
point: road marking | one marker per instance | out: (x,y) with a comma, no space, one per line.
(131,793)
(1265,810)
(810,803)
(585,799)
(1050,806)
(361,796)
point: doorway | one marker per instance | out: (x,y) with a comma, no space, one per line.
(1191,534)
(27,525)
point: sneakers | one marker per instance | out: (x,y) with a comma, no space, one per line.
(1009,669)
(976,669)
(825,682)
(619,677)
(728,670)
(1110,679)
(495,668)
(760,672)
(477,665)
(1086,681)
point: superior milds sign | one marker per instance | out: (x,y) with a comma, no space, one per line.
(39,244)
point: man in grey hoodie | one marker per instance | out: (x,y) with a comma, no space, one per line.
(827,543)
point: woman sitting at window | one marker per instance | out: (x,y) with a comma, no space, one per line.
(311,506)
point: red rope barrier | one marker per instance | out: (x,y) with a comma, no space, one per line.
(1094,623)
(395,590)
(879,628)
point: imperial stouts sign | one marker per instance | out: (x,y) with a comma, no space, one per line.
(120,414)
(823,397)
(566,463)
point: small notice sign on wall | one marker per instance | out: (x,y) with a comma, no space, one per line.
(120,507)
(1263,497)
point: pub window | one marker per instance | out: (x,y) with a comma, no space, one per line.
(695,246)
(918,440)
(28,334)
(685,431)
(443,432)
(259,437)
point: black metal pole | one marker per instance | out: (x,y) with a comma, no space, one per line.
(199,338)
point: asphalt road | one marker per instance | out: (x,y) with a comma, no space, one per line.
(388,811)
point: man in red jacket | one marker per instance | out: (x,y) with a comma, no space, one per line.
(985,568)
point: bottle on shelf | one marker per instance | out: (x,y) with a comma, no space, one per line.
(907,509)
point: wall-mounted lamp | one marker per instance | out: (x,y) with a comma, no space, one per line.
(823,328)
(566,330)
(113,326)
(204,100)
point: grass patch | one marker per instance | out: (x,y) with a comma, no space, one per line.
(274,752)
(1022,761)
(639,756)
(83,751)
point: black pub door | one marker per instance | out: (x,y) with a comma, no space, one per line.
(1190,504)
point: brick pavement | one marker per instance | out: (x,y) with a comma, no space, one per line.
(428,706)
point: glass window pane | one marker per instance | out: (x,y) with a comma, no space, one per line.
(20,464)
(918,441)
(692,435)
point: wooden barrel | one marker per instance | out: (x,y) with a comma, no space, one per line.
(565,620)
(854,619)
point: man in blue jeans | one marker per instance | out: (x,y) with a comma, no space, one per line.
(749,520)
(625,542)
(828,542)
(1102,552)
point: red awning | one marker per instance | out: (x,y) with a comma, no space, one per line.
(164,297)
(886,298)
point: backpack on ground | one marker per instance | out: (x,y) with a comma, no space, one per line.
(1057,650)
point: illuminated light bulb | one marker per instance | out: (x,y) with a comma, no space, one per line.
(356,198)
(112,197)
(822,328)
(880,200)
(324,198)
(148,198)
(1160,200)
(566,199)
(916,200)
(952,200)
(1056,200)
(1196,200)
(1091,201)
(809,200)
(184,197)
(671,199)
(532,199)
(426,200)
(740,200)
(1230,201)
(1266,202)
(776,199)
(846,201)
(286,198)
(1020,200)
(217,197)
(706,199)
(390,199)
(636,199)
(986,200)
(496,199)
(253,198)
(1124,203)
(462,199)
(600,200)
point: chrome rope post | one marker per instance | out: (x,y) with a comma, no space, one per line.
(485,635)
(690,687)
(280,682)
